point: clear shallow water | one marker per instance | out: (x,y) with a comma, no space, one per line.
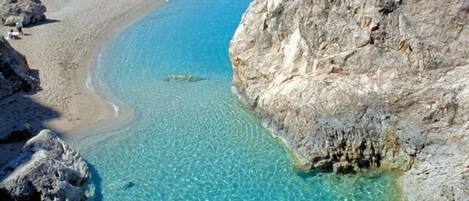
(193,140)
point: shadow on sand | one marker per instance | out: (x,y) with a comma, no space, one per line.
(21,117)
(20,109)
(46,21)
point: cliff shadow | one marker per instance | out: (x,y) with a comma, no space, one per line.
(21,117)
(21,109)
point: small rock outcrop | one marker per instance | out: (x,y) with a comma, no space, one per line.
(189,78)
(15,75)
(25,11)
(352,84)
(47,169)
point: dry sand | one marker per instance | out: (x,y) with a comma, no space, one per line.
(62,50)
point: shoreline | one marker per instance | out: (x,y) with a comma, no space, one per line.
(117,25)
(90,71)
(67,75)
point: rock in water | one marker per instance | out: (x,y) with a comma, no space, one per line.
(15,75)
(359,83)
(25,11)
(47,168)
(129,185)
(189,78)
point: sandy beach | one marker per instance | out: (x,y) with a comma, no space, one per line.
(62,51)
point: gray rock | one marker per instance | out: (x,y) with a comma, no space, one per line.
(47,168)
(189,78)
(15,75)
(351,84)
(24,11)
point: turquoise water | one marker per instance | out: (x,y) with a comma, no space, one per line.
(193,140)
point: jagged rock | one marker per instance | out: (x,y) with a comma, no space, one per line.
(25,11)
(359,83)
(15,75)
(46,169)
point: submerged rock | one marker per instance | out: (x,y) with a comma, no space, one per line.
(15,75)
(189,78)
(129,185)
(354,84)
(24,11)
(46,169)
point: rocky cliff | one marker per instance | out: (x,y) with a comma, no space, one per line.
(351,84)
(46,169)
(25,11)
(15,75)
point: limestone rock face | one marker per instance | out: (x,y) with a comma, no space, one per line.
(47,169)
(15,75)
(25,11)
(351,84)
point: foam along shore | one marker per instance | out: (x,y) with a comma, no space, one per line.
(61,49)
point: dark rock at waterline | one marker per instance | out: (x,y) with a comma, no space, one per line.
(24,11)
(46,169)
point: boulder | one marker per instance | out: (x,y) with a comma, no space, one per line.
(15,74)
(354,84)
(24,11)
(46,169)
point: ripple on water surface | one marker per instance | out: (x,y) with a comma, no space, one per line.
(193,140)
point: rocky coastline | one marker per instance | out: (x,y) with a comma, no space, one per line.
(52,95)
(346,85)
(351,85)
(46,168)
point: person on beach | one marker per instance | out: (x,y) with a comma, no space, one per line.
(11,35)
(19,27)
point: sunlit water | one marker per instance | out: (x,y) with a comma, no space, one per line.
(193,140)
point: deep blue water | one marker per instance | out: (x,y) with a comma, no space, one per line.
(194,140)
